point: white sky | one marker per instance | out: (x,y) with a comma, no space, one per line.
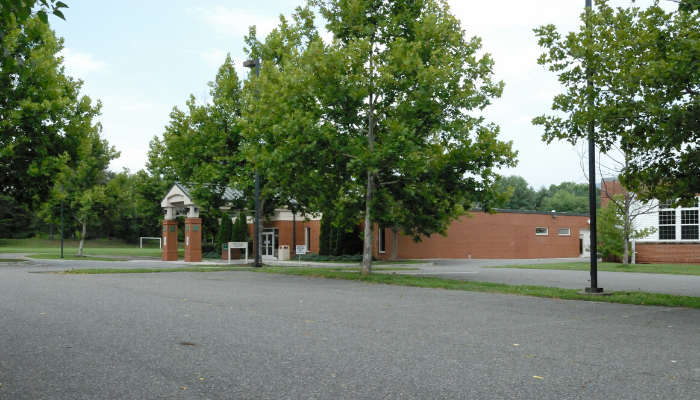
(142,58)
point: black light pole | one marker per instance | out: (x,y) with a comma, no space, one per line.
(61,221)
(591,181)
(257,263)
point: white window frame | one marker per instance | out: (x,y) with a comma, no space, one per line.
(307,239)
(546,231)
(382,240)
(568,232)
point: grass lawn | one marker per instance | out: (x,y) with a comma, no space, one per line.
(70,257)
(637,298)
(70,247)
(672,269)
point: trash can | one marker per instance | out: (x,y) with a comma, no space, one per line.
(283,253)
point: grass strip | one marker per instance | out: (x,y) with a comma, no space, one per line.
(206,268)
(71,258)
(671,269)
(201,268)
(636,298)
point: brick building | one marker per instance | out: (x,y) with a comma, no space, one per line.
(677,238)
(506,235)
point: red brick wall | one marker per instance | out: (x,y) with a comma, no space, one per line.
(503,235)
(667,253)
(169,252)
(608,189)
(193,231)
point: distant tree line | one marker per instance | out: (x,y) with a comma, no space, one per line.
(565,197)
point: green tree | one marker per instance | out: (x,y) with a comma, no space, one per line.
(17,12)
(521,195)
(240,229)
(324,238)
(36,114)
(610,235)
(565,197)
(225,231)
(200,146)
(615,229)
(645,95)
(83,187)
(377,119)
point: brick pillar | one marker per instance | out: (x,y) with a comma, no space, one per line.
(193,239)
(170,240)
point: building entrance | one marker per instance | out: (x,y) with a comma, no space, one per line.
(268,248)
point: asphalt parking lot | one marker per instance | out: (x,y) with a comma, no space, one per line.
(254,335)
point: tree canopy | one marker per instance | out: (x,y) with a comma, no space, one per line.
(645,69)
(17,12)
(379,122)
(40,116)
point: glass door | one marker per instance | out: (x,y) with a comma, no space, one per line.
(268,245)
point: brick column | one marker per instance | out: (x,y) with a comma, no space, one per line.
(193,239)
(170,240)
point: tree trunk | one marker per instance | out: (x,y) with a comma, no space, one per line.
(626,231)
(260,227)
(394,244)
(82,238)
(367,249)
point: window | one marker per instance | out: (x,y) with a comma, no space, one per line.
(564,231)
(689,224)
(542,231)
(665,204)
(667,225)
(307,238)
(382,240)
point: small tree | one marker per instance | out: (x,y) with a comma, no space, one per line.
(610,236)
(83,187)
(240,229)
(615,229)
(225,231)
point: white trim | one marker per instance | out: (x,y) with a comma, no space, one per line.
(546,233)
(568,232)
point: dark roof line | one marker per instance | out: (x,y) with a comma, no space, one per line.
(504,211)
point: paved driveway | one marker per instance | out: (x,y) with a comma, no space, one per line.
(238,335)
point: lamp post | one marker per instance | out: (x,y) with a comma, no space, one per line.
(257,263)
(591,180)
(61,221)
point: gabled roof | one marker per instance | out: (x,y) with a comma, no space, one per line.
(179,186)
(232,194)
(228,195)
